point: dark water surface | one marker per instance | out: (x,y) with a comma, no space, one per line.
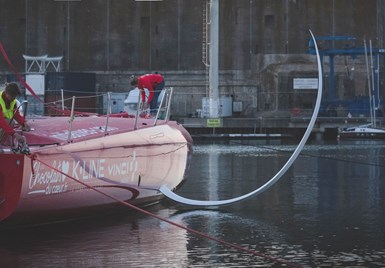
(328,210)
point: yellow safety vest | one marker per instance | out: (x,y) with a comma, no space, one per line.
(7,113)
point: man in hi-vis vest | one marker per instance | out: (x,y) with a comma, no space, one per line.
(9,111)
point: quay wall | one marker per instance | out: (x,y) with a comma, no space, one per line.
(268,92)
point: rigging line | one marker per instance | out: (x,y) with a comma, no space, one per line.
(179,147)
(313,155)
(204,235)
(172,195)
(343,160)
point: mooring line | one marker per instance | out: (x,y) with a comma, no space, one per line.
(223,242)
(310,155)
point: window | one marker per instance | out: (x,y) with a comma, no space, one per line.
(269,21)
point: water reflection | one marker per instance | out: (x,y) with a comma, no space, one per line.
(131,240)
(326,211)
(329,202)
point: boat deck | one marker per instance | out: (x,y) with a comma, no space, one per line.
(46,131)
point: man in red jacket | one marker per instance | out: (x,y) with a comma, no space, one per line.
(9,111)
(155,84)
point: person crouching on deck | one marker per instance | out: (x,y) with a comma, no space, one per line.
(9,111)
(155,84)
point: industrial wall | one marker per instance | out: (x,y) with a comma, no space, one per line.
(115,38)
(121,35)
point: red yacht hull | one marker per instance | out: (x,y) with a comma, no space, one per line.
(67,167)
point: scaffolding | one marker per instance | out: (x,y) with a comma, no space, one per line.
(332,46)
(40,64)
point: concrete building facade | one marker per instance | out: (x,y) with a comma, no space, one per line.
(263,44)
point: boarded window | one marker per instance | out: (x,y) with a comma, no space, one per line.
(269,21)
(144,22)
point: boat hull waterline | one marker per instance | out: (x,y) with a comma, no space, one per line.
(362,132)
(129,164)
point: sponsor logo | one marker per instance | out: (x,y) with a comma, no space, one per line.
(52,180)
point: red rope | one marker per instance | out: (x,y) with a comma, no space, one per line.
(223,242)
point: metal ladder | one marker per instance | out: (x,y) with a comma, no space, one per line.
(206,41)
(205,32)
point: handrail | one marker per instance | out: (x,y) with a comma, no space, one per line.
(62,99)
(162,113)
(108,112)
(71,119)
(168,111)
(25,103)
(164,105)
(160,108)
(138,107)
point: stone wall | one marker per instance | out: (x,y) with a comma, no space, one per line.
(263,44)
(126,35)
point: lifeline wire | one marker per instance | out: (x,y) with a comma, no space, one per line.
(223,242)
(314,155)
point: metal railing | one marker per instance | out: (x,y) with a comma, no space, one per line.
(163,111)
